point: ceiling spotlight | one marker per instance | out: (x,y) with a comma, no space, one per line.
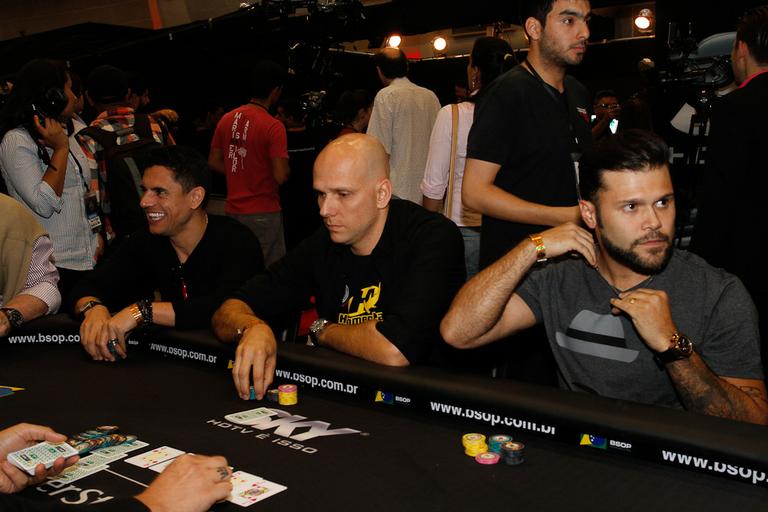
(644,20)
(439,44)
(394,41)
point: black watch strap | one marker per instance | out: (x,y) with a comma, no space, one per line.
(15,318)
(681,348)
(88,305)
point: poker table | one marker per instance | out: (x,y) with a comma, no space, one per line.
(367,437)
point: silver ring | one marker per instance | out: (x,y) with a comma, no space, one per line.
(111,343)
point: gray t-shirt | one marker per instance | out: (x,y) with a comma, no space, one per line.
(602,353)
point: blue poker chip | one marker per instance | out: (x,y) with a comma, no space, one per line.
(252,395)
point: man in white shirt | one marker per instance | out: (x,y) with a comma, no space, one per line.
(402,119)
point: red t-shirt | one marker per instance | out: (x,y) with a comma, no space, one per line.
(249,137)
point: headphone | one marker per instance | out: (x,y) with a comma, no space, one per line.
(51,103)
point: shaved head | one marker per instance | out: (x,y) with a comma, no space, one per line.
(363,152)
(353,190)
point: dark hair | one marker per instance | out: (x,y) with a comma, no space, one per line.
(632,150)
(535,9)
(350,103)
(492,56)
(33,83)
(266,75)
(392,62)
(753,31)
(77,84)
(605,93)
(137,83)
(189,167)
(107,85)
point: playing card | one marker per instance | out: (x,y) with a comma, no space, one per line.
(247,489)
(159,468)
(250,416)
(84,467)
(119,451)
(44,453)
(156,456)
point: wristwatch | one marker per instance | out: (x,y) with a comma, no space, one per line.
(315,329)
(681,348)
(15,318)
(88,305)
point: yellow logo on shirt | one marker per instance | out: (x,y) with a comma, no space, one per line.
(362,309)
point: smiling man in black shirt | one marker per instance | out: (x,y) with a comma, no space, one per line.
(191,259)
(383,271)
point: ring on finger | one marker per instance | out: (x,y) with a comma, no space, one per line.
(111,343)
(223,473)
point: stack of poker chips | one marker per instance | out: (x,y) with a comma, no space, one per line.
(474,444)
(287,394)
(512,453)
(495,442)
(273,395)
(99,437)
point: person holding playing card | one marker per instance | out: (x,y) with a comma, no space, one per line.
(192,483)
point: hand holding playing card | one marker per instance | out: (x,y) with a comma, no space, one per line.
(191,483)
(12,479)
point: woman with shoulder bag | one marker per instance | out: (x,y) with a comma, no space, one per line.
(441,186)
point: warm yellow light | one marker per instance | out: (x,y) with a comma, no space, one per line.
(439,44)
(394,41)
(644,19)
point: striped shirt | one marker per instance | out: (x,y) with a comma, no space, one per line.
(42,276)
(63,217)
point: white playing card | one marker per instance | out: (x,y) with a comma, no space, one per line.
(119,451)
(84,467)
(248,489)
(250,416)
(44,453)
(156,456)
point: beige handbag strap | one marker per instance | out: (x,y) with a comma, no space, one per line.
(451,173)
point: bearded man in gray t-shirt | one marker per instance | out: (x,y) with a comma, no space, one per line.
(632,318)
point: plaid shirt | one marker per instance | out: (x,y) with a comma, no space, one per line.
(114,120)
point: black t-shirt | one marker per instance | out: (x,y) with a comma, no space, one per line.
(226,256)
(531,130)
(410,277)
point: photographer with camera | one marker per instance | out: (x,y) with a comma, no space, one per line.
(731,202)
(44,168)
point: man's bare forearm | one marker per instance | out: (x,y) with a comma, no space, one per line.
(479,305)
(363,341)
(702,391)
(233,315)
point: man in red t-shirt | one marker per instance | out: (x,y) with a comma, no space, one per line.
(250,148)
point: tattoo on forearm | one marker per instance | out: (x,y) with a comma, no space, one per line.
(702,391)
(755,393)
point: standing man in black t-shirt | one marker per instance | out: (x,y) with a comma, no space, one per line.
(383,272)
(530,126)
